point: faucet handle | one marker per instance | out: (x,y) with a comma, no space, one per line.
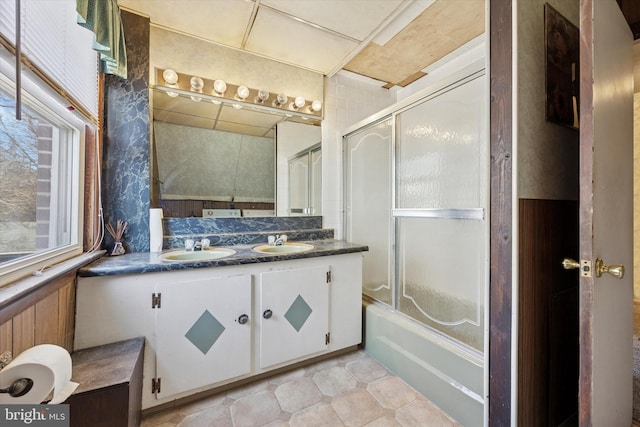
(189,244)
(205,243)
(283,238)
(271,240)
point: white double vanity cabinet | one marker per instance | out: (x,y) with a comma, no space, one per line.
(211,326)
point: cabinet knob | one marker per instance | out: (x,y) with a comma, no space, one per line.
(243,319)
(267,314)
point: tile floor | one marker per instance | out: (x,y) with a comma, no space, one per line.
(349,390)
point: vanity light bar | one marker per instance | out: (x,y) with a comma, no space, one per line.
(240,95)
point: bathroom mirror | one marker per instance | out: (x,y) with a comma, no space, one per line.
(214,159)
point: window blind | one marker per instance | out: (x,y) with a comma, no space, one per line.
(52,40)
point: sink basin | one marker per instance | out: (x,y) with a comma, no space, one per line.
(287,248)
(195,256)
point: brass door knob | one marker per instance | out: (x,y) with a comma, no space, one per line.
(616,271)
(570,264)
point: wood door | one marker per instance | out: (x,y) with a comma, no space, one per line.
(606,213)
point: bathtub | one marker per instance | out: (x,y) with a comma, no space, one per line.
(449,376)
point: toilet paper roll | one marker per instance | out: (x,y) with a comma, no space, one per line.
(155,230)
(49,366)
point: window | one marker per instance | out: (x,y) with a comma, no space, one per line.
(40,186)
(53,41)
(42,154)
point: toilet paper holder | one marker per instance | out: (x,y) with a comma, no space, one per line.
(5,359)
(19,387)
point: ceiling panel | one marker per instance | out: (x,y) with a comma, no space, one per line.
(183,119)
(184,105)
(436,32)
(243,129)
(279,36)
(308,33)
(354,18)
(222,21)
(246,115)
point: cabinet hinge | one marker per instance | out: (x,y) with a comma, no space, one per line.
(156,299)
(329,276)
(327,338)
(155,385)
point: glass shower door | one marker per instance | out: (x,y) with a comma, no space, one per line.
(368,198)
(315,185)
(305,182)
(299,185)
(441,199)
(416,192)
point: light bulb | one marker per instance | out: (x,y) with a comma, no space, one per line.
(237,106)
(242,92)
(219,86)
(170,77)
(197,84)
(299,102)
(316,106)
(281,99)
(196,98)
(262,96)
(172,94)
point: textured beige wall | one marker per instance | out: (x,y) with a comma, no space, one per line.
(208,60)
(206,164)
(548,154)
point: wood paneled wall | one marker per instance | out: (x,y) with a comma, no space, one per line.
(547,312)
(187,208)
(45,316)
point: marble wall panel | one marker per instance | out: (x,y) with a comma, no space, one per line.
(125,163)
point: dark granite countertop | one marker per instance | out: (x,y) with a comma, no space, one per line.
(145,262)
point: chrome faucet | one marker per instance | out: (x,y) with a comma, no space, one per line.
(191,245)
(280,240)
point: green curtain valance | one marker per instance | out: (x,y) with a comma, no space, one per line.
(102,17)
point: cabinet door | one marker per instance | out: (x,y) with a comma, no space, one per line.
(294,310)
(200,338)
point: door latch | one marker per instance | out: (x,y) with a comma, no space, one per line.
(584,266)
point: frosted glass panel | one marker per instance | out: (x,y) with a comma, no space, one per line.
(441,150)
(442,274)
(298,185)
(316,183)
(368,204)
